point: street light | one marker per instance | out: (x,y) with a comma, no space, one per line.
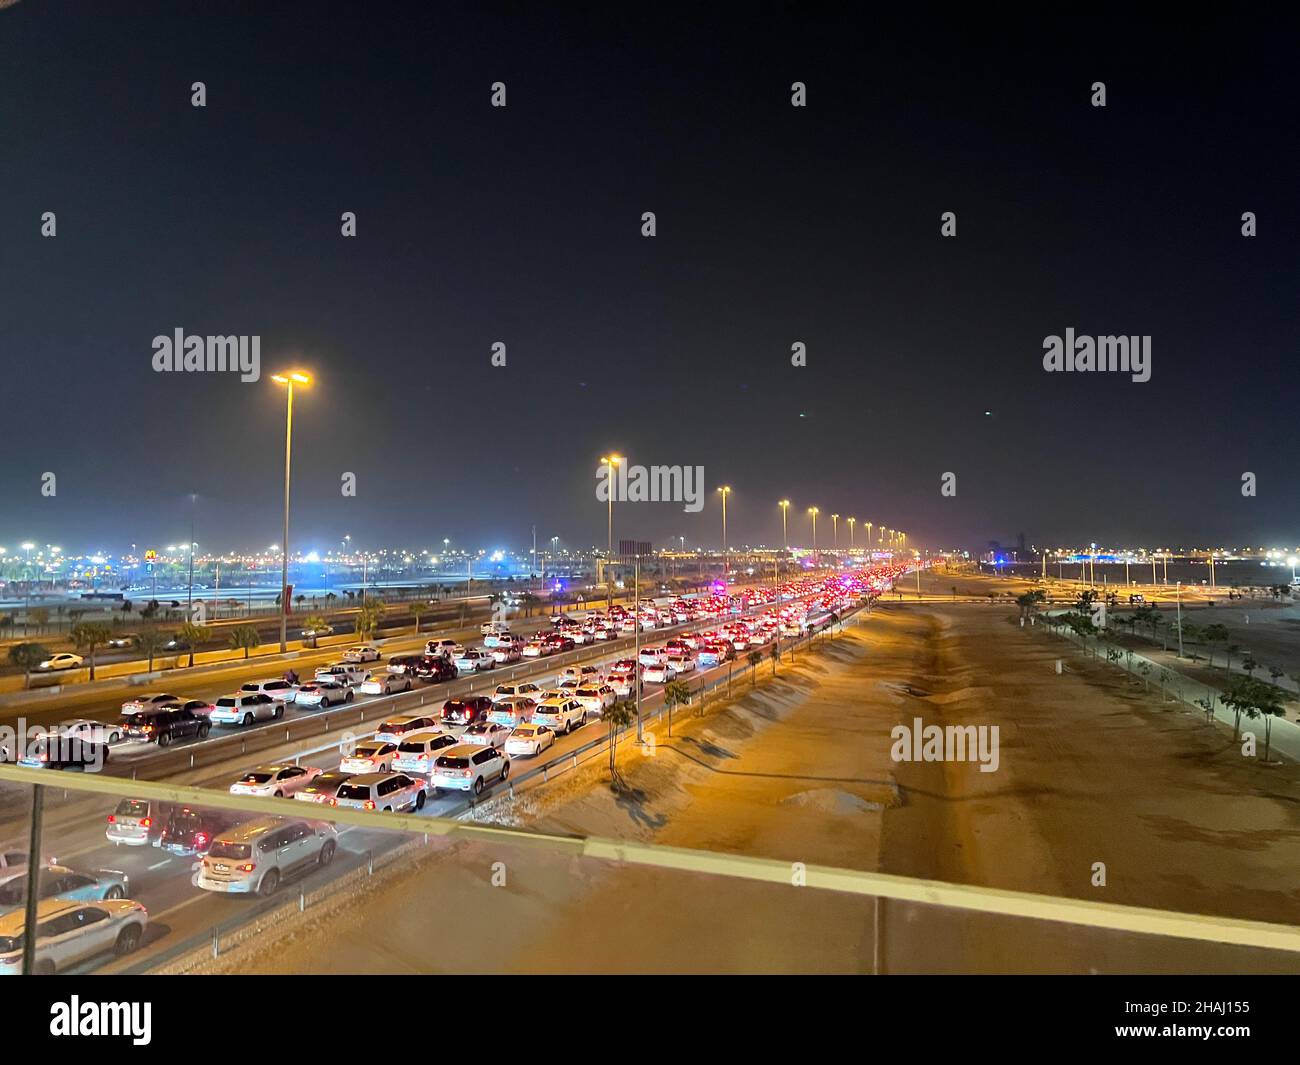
(835,531)
(611,460)
(852,522)
(814,512)
(724,491)
(869,528)
(785,538)
(289,378)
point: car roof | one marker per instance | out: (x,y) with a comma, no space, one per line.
(464,750)
(12,924)
(247,830)
(366,779)
(423,734)
(270,767)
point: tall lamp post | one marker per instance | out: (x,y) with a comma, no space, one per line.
(869,528)
(785,536)
(813,511)
(610,461)
(852,522)
(725,491)
(835,531)
(289,378)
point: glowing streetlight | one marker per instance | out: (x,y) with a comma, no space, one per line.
(852,522)
(724,491)
(835,531)
(813,511)
(289,378)
(610,461)
(785,510)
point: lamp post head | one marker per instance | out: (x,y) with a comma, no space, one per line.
(297,377)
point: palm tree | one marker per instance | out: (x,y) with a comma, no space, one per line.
(314,624)
(1231,650)
(774,653)
(754,658)
(676,693)
(617,718)
(245,638)
(150,643)
(88,636)
(1249,665)
(192,635)
(27,656)
(418,610)
(368,615)
(1254,698)
(1213,635)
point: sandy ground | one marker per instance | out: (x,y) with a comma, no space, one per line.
(1092,770)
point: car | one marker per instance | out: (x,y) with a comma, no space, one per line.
(559,644)
(63,660)
(257,855)
(136,822)
(150,701)
(682,663)
(596,698)
(70,932)
(536,649)
(317,631)
(467,711)
(197,707)
(279,689)
(417,751)
(580,636)
(486,733)
(11,857)
(323,788)
(489,628)
(622,681)
(469,768)
(529,740)
(343,672)
(60,882)
(396,727)
(387,792)
(442,648)
(323,693)
(504,654)
(512,711)
(176,643)
(511,691)
(370,756)
(472,661)
(404,664)
(121,640)
(95,731)
(583,674)
(386,684)
(562,715)
(435,670)
(188,832)
(651,656)
(659,673)
(365,652)
(241,709)
(65,752)
(275,781)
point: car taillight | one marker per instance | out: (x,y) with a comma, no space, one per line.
(146,822)
(332,802)
(370,804)
(112,820)
(200,839)
(248,868)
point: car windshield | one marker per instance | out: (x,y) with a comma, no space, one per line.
(367,752)
(182,823)
(525,732)
(411,748)
(227,701)
(132,808)
(453,763)
(234,851)
(11,944)
(255,778)
(353,791)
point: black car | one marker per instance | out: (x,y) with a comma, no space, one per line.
(469,711)
(165,725)
(66,752)
(189,832)
(434,670)
(408,664)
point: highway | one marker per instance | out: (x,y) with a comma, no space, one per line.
(180,912)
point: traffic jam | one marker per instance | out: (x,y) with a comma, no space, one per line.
(459,751)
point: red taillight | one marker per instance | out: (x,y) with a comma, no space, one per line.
(369,805)
(200,839)
(146,822)
(332,802)
(112,820)
(246,868)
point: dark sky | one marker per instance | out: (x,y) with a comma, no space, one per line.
(522,225)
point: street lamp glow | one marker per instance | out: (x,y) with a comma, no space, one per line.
(724,491)
(609,461)
(785,510)
(288,378)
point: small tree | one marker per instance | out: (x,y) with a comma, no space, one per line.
(89,636)
(1249,665)
(1164,679)
(418,611)
(1231,650)
(314,624)
(676,693)
(618,718)
(149,643)
(368,615)
(774,653)
(1145,670)
(1213,635)
(192,635)
(27,656)
(754,658)
(245,638)
(1254,698)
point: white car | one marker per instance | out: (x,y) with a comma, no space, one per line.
(417,751)
(396,727)
(323,693)
(469,768)
(68,932)
(659,673)
(365,652)
(562,715)
(651,656)
(282,691)
(386,684)
(622,682)
(344,673)
(682,663)
(443,648)
(241,709)
(504,654)
(372,756)
(533,649)
(486,734)
(529,740)
(583,674)
(62,661)
(581,636)
(512,711)
(92,731)
(274,781)
(511,691)
(595,698)
(257,855)
(150,701)
(390,792)
(472,661)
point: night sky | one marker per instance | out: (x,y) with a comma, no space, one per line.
(522,225)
